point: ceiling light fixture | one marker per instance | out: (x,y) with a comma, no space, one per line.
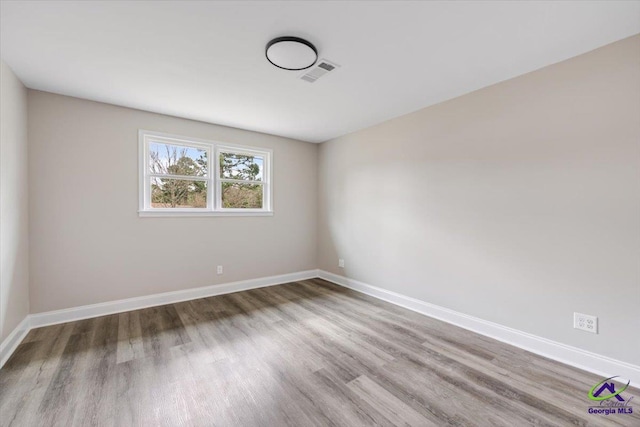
(291,53)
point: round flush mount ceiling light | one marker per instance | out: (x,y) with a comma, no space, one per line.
(291,53)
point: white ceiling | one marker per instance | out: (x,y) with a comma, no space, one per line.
(205,60)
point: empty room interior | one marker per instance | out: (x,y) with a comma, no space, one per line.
(320,213)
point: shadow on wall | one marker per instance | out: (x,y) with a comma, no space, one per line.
(15,282)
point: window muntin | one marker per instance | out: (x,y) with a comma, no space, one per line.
(188,176)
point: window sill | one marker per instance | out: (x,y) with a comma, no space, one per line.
(148,214)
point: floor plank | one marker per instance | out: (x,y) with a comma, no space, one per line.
(307,353)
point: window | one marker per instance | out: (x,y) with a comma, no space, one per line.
(190,177)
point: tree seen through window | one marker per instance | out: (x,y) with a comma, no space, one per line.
(185,185)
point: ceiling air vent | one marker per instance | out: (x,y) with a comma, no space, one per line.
(320,69)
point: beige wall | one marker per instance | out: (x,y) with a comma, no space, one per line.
(518,203)
(14,211)
(88,244)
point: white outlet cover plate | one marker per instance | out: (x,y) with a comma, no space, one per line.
(585,322)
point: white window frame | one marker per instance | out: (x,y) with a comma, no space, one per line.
(213,180)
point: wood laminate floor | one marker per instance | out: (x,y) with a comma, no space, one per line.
(302,354)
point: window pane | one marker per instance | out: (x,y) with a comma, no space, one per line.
(177,160)
(241,196)
(241,166)
(178,193)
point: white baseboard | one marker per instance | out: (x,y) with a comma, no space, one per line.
(102,309)
(569,355)
(9,344)
(573,356)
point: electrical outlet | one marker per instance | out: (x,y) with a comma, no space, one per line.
(219,269)
(341,263)
(585,322)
